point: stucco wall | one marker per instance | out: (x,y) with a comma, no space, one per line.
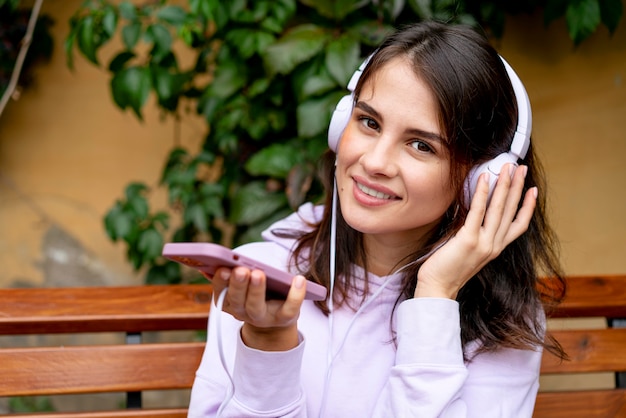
(66,153)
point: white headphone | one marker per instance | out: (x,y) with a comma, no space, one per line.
(519,144)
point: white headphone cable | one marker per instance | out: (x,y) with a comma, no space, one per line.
(219,304)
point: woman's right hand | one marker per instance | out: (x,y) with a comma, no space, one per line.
(269,325)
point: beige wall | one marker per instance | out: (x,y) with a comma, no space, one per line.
(579,103)
(66,153)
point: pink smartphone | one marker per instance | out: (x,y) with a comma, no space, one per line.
(208,257)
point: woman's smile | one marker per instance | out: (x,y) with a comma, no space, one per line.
(374,191)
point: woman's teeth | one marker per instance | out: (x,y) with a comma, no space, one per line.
(372,192)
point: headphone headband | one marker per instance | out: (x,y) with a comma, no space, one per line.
(519,143)
(521,138)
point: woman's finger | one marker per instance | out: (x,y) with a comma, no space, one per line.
(290,310)
(255,305)
(500,198)
(478,205)
(237,291)
(524,215)
(219,280)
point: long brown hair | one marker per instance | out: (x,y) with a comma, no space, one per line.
(503,305)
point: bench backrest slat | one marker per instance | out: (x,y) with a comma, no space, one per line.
(93,369)
(594,296)
(599,350)
(581,404)
(100,309)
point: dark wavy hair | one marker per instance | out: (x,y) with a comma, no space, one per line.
(504,304)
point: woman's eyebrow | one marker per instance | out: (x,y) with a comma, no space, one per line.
(413,131)
(368,109)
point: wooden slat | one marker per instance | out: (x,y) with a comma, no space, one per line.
(98,309)
(91,369)
(127,413)
(581,404)
(600,350)
(590,296)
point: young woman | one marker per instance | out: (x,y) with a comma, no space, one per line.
(437,309)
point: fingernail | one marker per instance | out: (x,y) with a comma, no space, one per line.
(298,282)
(535,192)
(225,275)
(485,177)
(511,170)
(525,168)
(240,277)
(255,279)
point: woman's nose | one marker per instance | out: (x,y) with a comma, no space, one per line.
(380,158)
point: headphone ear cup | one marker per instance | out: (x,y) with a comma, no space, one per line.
(339,121)
(493,167)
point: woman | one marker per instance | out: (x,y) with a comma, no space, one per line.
(437,308)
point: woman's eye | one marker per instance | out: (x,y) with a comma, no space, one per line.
(421,146)
(369,123)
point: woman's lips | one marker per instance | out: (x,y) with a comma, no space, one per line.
(370,194)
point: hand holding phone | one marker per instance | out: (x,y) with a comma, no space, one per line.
(208,257)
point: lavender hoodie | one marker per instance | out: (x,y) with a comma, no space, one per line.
(421,374)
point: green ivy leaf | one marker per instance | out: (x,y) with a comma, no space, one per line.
(274,161)
(611,12)
(166,84)
(244,40)
(162,40)
(117,222)
(421,8)
(295,47)
(343,58)
(208,105)
(168,273)
(582,17)
(334,9)
(553,10)
(127,10)
(109,21)
(135,189)
(131,87)
(371,32)
(139,206)
(120,60)
(68,45)
(314,114)
(253,202)
(229,77)
(212,10)
(174,15)
(195,215)
(86,39)
(131,34)
(150,244)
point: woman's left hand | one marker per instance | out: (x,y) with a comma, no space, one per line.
(486,232)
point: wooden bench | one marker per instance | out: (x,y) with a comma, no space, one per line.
(131,367)
(589,350)
(135,366)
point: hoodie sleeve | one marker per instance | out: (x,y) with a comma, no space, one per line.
(252,383)
(431,379)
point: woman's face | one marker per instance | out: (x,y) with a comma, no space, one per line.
(393,168)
